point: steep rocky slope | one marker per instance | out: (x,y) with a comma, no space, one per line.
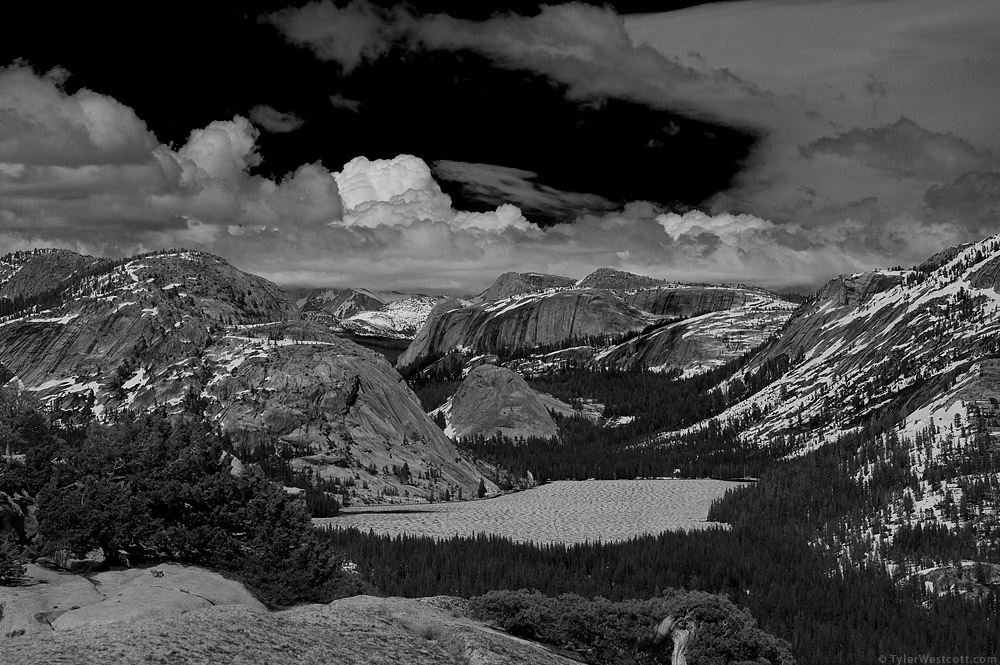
(25,274)
(494,399)
(916,349)
(189,331)
(524,322)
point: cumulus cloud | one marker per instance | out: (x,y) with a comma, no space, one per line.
(39,124)
(273,120)
(386,223)
(401,191)
(89,171)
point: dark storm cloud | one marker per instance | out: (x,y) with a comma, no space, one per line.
(581,46)
(272,120)
(973,198)
(905,148)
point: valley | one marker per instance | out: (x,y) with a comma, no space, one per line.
(407,433)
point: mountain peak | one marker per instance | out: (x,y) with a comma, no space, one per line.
(515,283)
(613,279)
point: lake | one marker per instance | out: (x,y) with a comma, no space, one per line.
(565,511)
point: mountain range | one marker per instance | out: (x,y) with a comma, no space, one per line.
(916,347)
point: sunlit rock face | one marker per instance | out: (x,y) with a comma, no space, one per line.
(524,322)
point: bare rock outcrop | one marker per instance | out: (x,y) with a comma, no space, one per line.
(358,630)
(51,601)
(853,290)
(494,400)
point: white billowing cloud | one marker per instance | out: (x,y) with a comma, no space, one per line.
(82,168)
(273,120)
(402,190)
(224,149)
(39,124)
(363,180)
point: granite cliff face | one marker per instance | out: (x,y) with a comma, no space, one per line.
(187,330)
(720,323)
(524,322)
(495,400)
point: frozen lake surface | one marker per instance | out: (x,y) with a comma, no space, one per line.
(565,511)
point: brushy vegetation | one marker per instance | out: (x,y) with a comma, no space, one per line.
(162,489)
(607,632)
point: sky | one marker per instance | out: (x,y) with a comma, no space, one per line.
(432,146)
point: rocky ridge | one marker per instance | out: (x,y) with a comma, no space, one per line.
(186,330)
(640,323)
(25,274)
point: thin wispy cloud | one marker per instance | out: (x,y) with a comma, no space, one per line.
(272,120)
(340,102)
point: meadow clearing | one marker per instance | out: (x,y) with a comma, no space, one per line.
(564,511)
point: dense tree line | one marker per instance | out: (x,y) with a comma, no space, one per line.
(585,450)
